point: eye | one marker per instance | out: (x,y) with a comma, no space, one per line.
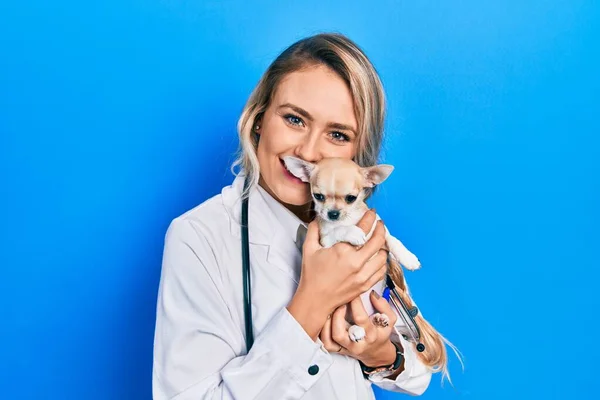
(319,197)
(339,136)
(293,120)
(350,199)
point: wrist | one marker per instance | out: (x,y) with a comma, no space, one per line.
(386,355)
(308,312)
(389,371)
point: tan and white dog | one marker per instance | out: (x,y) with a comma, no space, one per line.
(339,187)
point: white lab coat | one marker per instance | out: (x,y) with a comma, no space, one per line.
(199,347)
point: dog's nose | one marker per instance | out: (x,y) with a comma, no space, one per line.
(333,214)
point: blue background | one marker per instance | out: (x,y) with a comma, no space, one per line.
(117,116)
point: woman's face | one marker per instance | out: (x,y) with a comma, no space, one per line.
(311,116)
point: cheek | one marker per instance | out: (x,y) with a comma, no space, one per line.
(276,137)
(319,207)
(346,151)
(268,147)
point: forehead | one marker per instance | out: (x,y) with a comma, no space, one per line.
(321,92)
(341,181)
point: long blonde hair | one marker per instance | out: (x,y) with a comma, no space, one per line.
(344,57)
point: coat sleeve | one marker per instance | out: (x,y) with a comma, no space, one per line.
(195,336)
(415,378)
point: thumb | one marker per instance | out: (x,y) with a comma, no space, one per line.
(380,303)
(311,242)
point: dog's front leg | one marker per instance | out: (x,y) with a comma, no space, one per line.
(329,239)
(401,253)
(351,234)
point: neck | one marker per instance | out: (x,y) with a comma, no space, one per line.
(304,212)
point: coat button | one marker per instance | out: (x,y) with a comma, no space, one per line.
(313,369)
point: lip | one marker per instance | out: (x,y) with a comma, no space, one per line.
(289,175)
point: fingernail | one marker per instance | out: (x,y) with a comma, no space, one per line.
(377,296)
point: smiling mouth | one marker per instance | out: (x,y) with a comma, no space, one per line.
(289,175)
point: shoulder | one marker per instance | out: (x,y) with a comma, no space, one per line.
(211,223)
(201,243)
(207,217)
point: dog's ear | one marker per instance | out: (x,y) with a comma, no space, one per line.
(376,174)
(299,168)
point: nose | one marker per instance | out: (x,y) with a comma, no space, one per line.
(333,214)
(308,148)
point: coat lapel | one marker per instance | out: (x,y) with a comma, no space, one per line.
(268,241)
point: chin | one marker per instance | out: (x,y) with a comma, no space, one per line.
(292,195)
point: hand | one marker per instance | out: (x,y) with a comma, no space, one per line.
(375,349)
(334,276)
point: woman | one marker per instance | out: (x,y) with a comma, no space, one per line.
(320,98)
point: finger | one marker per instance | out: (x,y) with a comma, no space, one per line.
(375,243)
(382,306)
(367,220)
(376,277)
(385,247)
(359,314)
(325,336)
(339,327)
(373,266)
(379,275)
(311,243)
(361,318)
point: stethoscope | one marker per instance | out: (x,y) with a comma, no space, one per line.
(407,315)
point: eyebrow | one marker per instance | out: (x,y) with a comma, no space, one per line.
(306,114)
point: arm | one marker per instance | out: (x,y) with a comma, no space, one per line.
(198,347)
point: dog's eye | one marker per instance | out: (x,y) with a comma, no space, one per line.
(350,199)
(319,196)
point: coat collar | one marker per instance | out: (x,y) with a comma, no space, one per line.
(267,218)
(258,233)
(272,229)
(294,228)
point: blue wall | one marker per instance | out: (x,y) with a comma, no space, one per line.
(106,115)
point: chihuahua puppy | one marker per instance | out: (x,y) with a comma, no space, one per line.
(338,187)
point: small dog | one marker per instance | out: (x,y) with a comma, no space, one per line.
(338,187)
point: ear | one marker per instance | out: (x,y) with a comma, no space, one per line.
(299,168)
(257,124)
(376,174)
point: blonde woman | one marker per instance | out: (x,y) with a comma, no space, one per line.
(320,98)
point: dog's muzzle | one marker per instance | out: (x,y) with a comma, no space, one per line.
(333,215)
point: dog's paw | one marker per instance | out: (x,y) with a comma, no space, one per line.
(355,236)
(356,333)
(328,241)
(381,320)
(409,260)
